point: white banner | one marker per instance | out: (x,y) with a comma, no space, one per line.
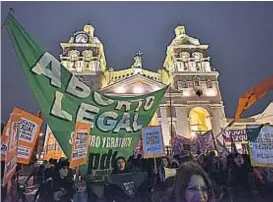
(261,148)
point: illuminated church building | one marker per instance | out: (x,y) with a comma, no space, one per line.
(196,101)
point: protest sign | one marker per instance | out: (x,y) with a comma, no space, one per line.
(52,148)
(29,128)
(153,146)
(64,99)
(237,135)
(10,157)
(261,145)
(80,145)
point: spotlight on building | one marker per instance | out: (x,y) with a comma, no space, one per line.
(41,134)
(138,90)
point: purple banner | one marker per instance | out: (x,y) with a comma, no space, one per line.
(237,135)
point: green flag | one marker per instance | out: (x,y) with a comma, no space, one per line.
(116,122)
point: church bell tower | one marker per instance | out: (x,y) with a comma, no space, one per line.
(201,106)
(83,55)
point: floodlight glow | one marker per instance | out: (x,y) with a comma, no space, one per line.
(138,90)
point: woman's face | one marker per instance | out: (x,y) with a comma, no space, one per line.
(239,160)
(197,190)
(165,162)
(121,164)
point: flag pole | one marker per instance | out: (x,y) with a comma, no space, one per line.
(4,23)
(170,94)
(214,143)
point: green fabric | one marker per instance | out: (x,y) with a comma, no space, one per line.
(31,54)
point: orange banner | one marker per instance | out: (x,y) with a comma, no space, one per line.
(10,157)
(52,149)
(252,95)
(28,133)
(81,140)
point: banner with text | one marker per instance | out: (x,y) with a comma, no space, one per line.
(152,139)
(80,145)
(261,145)
(64,99)
(28,133)
(10,157)
(52,149)
(237,135)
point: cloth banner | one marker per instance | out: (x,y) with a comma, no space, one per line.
(52,149)
(236,135)
(28,134)
(202,143)
(153,146)
(64,99)
(261,145)
(128,182)
(80,145)
(10,157)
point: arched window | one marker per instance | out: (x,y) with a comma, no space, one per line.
(87,56)
(73,57)
(196,81)
(198,60)
(209,84)
(185,59)
(184,83)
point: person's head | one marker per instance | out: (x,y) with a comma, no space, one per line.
(165,162)
(35,162)
(201,159)
(212,154)
(51,161)
(61,159)
(192,184)
(45,162)
(121,164)
(62,169)
(238,159)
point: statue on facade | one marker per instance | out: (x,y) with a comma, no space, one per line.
(180,35)
(138,60)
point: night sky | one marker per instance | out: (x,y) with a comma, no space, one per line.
(240,35)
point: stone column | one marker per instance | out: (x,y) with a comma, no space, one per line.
(182,124)
(164,126)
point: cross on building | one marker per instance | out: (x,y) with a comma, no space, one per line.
(139,53)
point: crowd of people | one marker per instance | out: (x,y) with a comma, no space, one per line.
(197,178)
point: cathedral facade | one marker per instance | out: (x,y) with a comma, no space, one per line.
(193,103)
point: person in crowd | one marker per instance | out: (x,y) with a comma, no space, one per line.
(165,163)
(191,184)
(34,172)
(175,161)
(214,168)
(58,188)
(3,188)
(113,191)
(120,166)
(41,172)
(238,180)
(50,169)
